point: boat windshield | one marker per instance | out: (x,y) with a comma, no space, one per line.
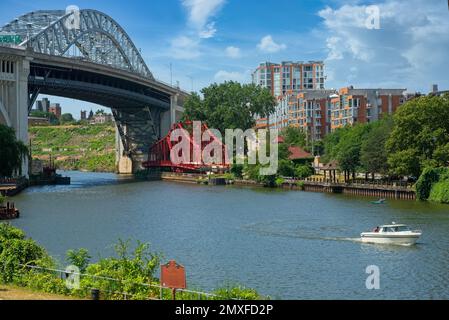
(396,229)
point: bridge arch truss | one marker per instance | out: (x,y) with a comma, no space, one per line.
(85,34)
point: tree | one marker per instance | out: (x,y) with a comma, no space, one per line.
(373,155)
(12,152)
(419,136)
(294,136)
(229,105)
(344,145)
(67,118)
(303,171)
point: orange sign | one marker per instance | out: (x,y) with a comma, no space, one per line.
(173,276)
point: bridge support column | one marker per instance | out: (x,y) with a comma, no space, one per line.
(14,73)
(171,116)
(123,163)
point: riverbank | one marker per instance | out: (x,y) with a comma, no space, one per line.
(75,147)
(357,189)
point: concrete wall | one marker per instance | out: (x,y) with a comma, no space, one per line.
(14,71)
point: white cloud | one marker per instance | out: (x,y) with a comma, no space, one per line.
(200,12)
(223,75)
(208,31)
(185,48)
(233,52)
(409,50)
(267,44)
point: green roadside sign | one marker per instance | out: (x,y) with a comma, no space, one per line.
(11,39)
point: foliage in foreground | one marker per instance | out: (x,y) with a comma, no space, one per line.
(433,184)
(12,151)
(133,269)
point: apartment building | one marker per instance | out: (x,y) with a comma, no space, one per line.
(318,112)
(363,105)
(310,111)
(290,77)
(279,119)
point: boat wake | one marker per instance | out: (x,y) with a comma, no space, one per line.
(298,234)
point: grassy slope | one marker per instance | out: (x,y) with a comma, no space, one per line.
(89,147)
(8,292)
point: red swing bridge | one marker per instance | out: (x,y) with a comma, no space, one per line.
(189,159)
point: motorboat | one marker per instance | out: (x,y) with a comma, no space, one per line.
(380,201)
(393,233)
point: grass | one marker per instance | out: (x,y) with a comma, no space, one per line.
(77,147)
(8,292)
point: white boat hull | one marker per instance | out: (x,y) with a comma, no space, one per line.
(400,239)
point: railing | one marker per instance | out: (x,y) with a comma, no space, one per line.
(373,184)
(64,275)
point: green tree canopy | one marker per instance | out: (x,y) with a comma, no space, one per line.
(420,136)
(373,155)
(12,151)
(293,136)
(67,118)
(229,105)
(345,144)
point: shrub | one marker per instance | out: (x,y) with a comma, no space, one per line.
(300,185)
(303,171)
(440,192)
(427,179)
(79,258)
(237,292)
(15,250)
(279,181)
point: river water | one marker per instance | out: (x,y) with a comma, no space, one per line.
(285,244)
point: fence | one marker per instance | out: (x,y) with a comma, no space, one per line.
(64,275)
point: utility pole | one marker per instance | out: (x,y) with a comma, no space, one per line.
(171,74)
(313,127)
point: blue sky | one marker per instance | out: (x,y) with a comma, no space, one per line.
(216,40)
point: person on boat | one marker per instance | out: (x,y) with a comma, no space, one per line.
(376,229)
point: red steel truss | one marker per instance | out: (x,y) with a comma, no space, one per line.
(159,155)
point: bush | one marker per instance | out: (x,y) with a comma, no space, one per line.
(79,258)
(300,185)
(303,171)
(238,292)
(427,179)
(279,182)
(2,199)
(440,192)
(15,250)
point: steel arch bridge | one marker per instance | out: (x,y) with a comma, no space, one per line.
(95,36)
(86,55)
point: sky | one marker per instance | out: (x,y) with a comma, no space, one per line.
(207,41)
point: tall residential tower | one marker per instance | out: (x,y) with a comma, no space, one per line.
(290,77)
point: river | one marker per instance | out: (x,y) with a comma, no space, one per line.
(285,244)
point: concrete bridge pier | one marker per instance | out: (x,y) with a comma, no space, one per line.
(140,130)
(14,71)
